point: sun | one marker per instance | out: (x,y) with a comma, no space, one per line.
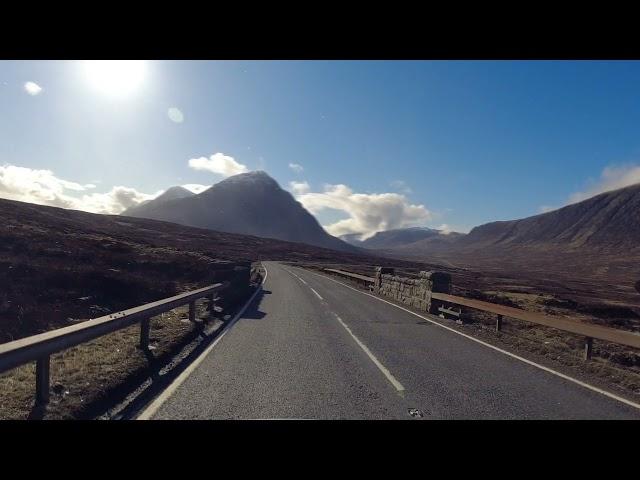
(115,78)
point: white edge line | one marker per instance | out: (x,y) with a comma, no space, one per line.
(373,358)
(529,362)
(167,392)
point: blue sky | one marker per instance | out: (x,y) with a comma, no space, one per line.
(467,141)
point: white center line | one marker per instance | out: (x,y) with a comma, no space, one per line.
(398,386)
(299,278)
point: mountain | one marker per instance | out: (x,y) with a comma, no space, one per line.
(249,203)
(392,238)
(608,223)
(173,193)
(582,251)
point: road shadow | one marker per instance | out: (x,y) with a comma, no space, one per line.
(426,324)
(140,388)
(159,382)
(253,312)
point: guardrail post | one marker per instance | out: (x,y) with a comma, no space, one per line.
(588,348)
(192,311)
(145,326)
(42,380)
(499,323)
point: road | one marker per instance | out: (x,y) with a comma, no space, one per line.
(311,348)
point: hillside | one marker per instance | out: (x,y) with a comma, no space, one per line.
(57,265)
(594,243)
(173,193)
(606,223)
(249,203)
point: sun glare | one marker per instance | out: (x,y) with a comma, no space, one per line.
(115,78)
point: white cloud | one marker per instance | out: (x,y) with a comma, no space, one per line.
(444,229)
(44,188)
(195,187)
(113,202)
(299,188)
(368,213)
(402,186)
(175,115)
(296,167)
(611,178)
(218,163)
(32,88)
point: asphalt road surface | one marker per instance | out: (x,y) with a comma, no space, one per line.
(310,348)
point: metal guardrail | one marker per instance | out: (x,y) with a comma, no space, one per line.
(351,275)
(39,347)
(590,332)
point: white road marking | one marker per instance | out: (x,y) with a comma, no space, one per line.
(398,386)
(529,362)
(317,294)
(299,278)
(164,396)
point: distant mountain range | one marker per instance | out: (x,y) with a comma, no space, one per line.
(606,223)
(393,238)
(249,203)
(254,204)
(596,239)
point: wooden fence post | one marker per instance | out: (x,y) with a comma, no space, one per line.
(145,326)
(42,380)
(192,311)
(588,348)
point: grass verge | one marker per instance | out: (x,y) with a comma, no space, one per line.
(91,379)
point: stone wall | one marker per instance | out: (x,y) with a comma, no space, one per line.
(238,274)
(414,292)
